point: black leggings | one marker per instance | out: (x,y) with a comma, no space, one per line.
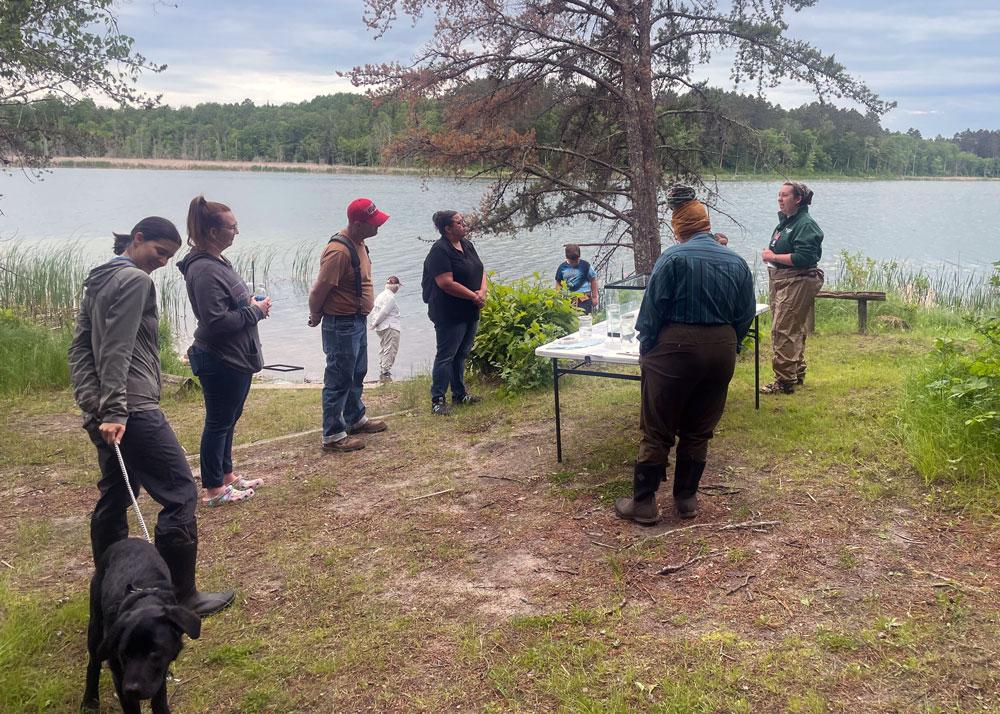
(155,462)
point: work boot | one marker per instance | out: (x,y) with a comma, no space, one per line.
(106,532)
(687,476)
(641,508)
(180,551)
(642,512)
(372,426)
(348,443)
(777,387)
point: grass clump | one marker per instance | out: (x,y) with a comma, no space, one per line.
(952,407)
(32,357)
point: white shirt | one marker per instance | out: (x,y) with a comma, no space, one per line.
(385,312)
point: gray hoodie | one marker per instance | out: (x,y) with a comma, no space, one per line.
(114,361)
(227,319)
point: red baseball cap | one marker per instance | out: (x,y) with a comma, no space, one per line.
(363,210)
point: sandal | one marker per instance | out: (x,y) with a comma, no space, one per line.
(243,484)
(230,495)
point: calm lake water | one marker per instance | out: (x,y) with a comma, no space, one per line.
(932,224)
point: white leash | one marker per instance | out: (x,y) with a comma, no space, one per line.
(128,487)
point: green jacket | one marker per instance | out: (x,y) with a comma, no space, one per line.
(799,235)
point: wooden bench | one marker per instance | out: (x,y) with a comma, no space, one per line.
(862,298)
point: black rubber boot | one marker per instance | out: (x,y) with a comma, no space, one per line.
(179,548)
(687,476)
(106,532)
(641,508)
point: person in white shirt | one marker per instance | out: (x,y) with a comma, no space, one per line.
(384,319)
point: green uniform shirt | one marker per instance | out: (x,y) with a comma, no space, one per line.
(799,235)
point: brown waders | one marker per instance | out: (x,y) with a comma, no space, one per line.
(791,291)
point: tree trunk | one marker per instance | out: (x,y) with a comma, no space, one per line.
(640,122)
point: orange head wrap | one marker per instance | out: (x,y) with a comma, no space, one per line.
(689,219)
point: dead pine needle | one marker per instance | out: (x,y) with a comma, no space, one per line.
(431,495)
(742,585)
(670,569)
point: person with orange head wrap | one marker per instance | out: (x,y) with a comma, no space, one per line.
(697,308)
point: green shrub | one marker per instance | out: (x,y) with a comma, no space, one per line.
(32,357)
(517,318)
(952,415)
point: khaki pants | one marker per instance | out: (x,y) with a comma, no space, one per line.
(685,381)
(388,348)
(792,292)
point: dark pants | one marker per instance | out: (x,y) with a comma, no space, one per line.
(685,381)
(454,343)
(584,303)
(155,462)
(225,390)
(345,343)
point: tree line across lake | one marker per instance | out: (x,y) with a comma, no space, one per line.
(755,136)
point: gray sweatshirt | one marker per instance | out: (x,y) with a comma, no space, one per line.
(114,360)
(227,318)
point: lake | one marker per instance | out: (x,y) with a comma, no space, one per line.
(949,225)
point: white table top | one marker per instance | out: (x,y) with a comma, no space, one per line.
(606,350)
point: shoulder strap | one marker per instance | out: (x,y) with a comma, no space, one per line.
(355,262)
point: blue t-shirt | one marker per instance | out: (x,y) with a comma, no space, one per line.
(578,278)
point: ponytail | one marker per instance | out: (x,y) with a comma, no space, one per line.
(152,228)
(202,217)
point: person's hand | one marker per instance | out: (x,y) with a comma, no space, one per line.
(479,299)
(264,305)
(768,255)
(721,239)
(596,303)
(111,433)
(315,320)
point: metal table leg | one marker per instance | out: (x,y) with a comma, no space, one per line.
(555,392)
(756,361)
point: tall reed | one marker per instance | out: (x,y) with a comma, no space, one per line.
(951,288)
(44,284)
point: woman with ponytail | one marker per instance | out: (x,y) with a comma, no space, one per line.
(226,351)
(795,278)
(114,363)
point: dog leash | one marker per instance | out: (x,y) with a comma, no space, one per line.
(128,487)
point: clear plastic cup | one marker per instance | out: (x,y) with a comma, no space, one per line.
(614,321)
(586,325)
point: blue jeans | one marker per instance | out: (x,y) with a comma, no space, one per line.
(345,343)
(454,343)
(225,390)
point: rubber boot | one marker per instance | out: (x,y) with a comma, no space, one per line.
(687,476)
(179,548)
(106,532)
(641,508)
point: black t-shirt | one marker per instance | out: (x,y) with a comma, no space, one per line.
(465,267)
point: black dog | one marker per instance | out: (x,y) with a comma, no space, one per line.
(136,625)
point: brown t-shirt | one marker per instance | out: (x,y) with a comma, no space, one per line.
(335,291)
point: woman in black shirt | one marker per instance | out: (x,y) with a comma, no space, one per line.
(454,288)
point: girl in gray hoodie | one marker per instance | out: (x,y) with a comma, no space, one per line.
(114,363)
(226,351)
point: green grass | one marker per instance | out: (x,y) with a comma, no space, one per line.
(32,357)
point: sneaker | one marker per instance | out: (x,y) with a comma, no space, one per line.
(348,443)
(642,512)
(372,426)
(466,399)
(385,379)
(778,388)
(440,407)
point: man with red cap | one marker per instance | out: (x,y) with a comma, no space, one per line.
(340,300)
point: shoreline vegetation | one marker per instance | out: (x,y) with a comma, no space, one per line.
(165,164)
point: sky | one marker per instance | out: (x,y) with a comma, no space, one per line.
(937,60)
